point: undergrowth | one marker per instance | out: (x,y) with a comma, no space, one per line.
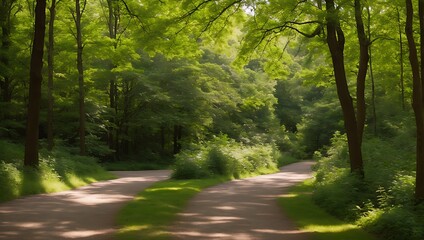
(383,202)
(223,156)
(58,171)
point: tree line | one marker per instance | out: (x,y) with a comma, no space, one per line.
(139,67)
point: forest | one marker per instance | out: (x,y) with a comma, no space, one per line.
(250,84)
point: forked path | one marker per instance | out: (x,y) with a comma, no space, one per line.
(85,213)
(245,209)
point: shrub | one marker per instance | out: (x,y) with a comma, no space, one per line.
(398,223)
(383,202)
(189,165)
(10,180)
(225,157)
(218,163)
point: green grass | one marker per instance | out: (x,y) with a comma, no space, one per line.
(299,206)
(154,209)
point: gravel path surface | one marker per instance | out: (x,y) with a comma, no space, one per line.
(244,209)
(85,213)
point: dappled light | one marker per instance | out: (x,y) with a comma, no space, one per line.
(242,209)
(85,213)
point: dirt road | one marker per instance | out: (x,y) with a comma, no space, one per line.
(85,213)
(245,209)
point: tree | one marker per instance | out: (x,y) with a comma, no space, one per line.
(418,90)
(77,15)
(353,123)
(31,140)
(50,62)
(308,19)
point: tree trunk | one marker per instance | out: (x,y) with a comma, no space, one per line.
(402,84)
(80,68)
(113,23)
(336,41)
(419,184)
(162,139)
(371,73)
(50,62)
(177,137)
(31,140)
(417,96)
(362,71)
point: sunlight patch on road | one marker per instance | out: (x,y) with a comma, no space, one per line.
(86,233)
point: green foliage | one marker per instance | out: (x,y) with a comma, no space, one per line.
(383,202)
(225,157)
(398,223)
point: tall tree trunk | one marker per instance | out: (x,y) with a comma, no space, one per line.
(81,92)
(335,42)
(419,186)
(36,77)
(402,82)
(362,71)
(113,24)
(417,95)
(371,74)
(50,62)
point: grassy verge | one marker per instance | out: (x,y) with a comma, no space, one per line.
(299,206)
(148,216)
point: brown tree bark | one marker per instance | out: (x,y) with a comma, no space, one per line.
(81,92)
(362,71)
(50,62)
(31,140)
(401,52)
(113,25)
(335,42)
(419,109)
(417,94)
(371,74)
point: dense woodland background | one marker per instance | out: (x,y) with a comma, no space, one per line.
(231,85)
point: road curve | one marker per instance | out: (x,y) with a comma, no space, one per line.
(85,213)
(244,209)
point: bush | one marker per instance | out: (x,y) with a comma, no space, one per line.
(225,157)
(218,163)
(190,165)
(10,180)
(398,223)
(383,202)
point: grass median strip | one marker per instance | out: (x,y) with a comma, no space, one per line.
(299,206)
(149,214)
